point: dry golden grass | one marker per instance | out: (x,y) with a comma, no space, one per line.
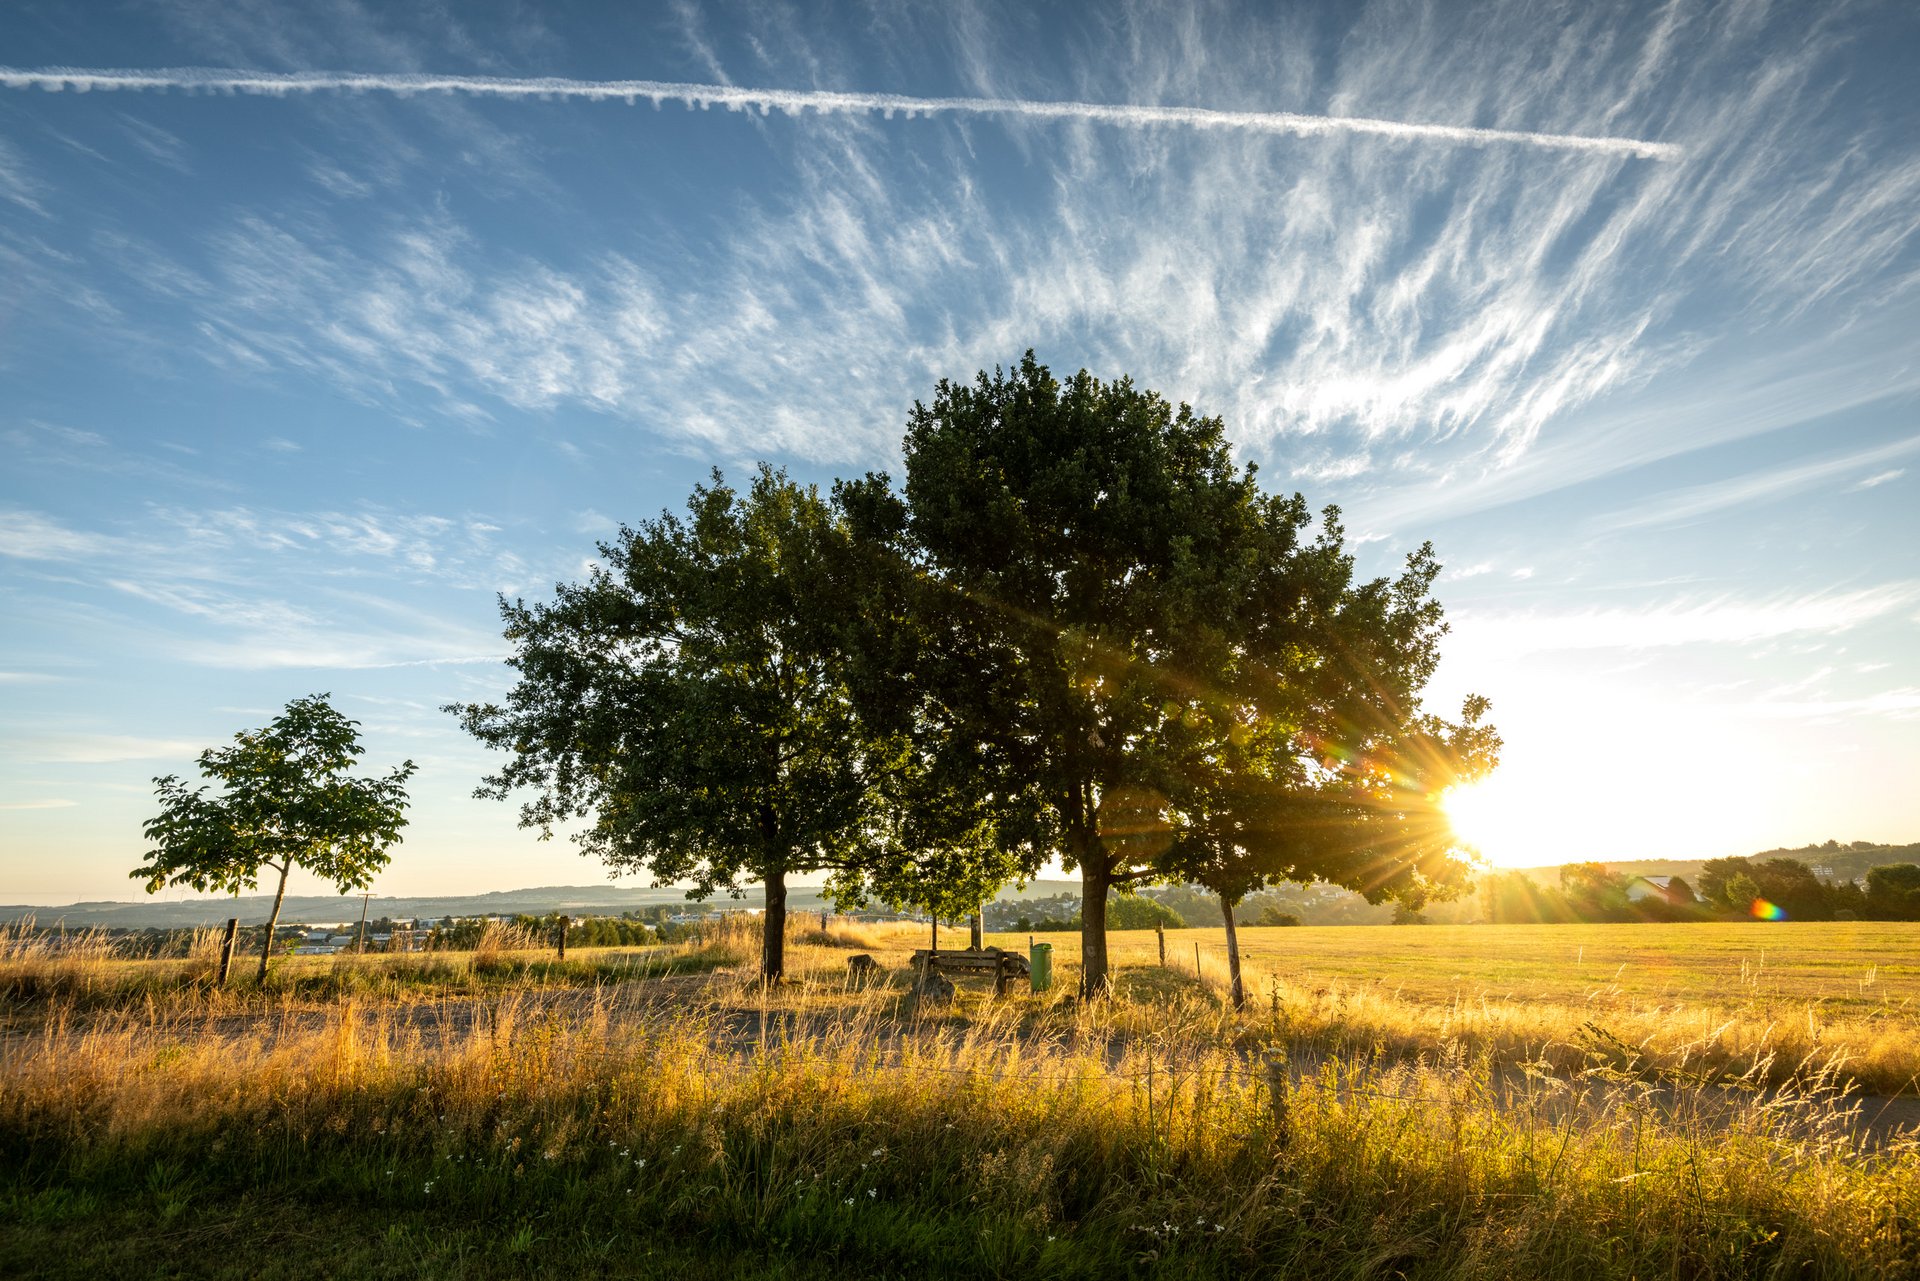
(1772,1001)
(1762,1004)
(1033,1135)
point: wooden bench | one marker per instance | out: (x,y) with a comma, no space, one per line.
(1003,965)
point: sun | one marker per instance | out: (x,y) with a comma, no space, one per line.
(1499,824)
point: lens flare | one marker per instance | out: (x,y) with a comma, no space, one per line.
(1765,911)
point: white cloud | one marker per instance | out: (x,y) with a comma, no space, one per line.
(1721,621)
(38,805)
(29,535)
(1432,327)
(1877,479)
(162,146)
(17,185)
(1899,704)
(101,749)
(1702,500)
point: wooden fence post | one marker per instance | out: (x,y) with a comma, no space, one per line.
(1161,931)
(562,940)
(226,948)
(1196,958)
(1279,1084)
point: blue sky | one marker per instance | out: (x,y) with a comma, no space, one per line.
(293,382)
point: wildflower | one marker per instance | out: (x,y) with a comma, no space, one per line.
(849,1201)
(873,1192)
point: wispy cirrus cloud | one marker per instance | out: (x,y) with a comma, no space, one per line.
(99,749)
(27,535)
(1408,323)
(1697,501)
(1724,620)
(17,185)
(1878,479)
(1426,355)
(250,590)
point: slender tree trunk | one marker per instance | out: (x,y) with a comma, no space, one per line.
(773,950)
(273,922)
(1233,953)
(1095,879)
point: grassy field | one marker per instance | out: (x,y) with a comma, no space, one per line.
(650,1112)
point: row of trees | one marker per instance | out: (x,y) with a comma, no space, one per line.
(1892,892)
(1078,628)
(1736,888)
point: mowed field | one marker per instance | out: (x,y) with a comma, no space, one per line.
(1851,966)
(1735,998)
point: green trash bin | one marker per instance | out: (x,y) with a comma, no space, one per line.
(1040,965)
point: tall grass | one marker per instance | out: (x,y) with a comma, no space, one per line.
(89,972)
(1771,1043)
(873,1137)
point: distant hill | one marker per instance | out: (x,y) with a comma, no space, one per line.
(321,909)
(1847,861)
(327,909)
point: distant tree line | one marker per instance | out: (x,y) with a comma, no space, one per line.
(462,934)
(1728,888)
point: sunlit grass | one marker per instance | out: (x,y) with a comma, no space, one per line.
(571,1129)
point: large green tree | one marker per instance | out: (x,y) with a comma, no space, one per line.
(1150,647)
(285,799)
(698,700)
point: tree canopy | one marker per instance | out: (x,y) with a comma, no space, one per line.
(1171,671)
(698,700)
(1081,629)
(285,800)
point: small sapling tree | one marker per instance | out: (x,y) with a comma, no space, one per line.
(285,799)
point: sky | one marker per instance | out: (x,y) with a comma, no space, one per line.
(323,323)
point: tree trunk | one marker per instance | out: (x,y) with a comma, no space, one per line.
(1233,954)
(273,922)
(773,948)
(1095,879)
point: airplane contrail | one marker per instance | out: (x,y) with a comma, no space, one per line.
(799,101)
